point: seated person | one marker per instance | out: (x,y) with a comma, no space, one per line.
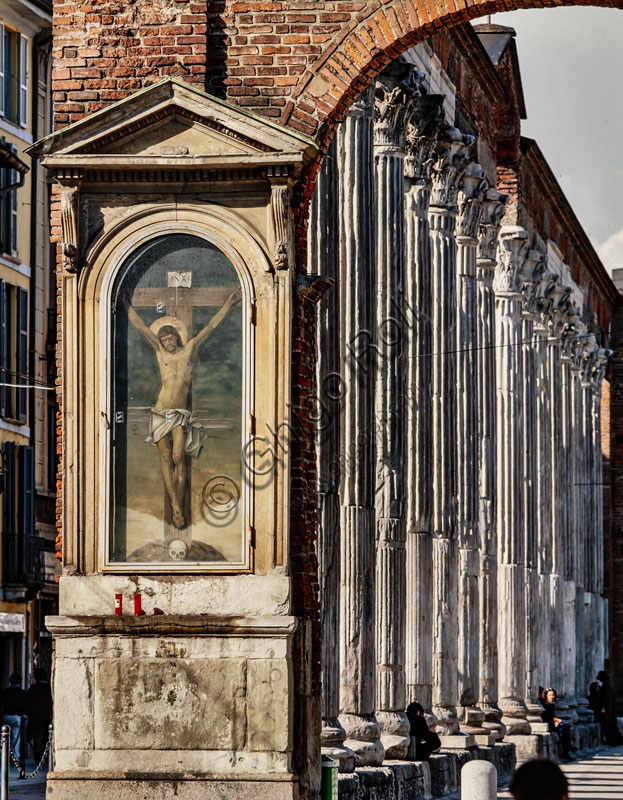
(426,741)
(539,779)
(556,725)
(594,701)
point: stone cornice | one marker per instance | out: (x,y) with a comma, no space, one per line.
(422,132)
(395,96)
(451,158)
(472,190)
(493,208)
(512,252)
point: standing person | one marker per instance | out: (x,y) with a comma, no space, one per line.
(594,702)
(610,728)
(14,707)
(539,779)
(426,741)
(39,704)
(556,725)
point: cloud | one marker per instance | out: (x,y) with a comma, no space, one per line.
(611,251)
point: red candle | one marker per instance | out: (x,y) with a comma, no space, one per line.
(137,605)
(118,605)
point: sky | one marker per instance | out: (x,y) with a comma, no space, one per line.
(571,63)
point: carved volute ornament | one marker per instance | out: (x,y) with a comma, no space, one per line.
(70,195)
(493,207)
(451,158)
(396,92)
(280,206)
(514,247)
(470,198)
(421,138)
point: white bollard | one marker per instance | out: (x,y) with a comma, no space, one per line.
(479,781)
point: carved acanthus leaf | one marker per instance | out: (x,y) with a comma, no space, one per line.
(470,199)
(494,205)
(395,99)
(422,132)
(451,158)
(535,266)
(512,252)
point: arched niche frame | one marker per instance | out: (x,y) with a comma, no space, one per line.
(88,410)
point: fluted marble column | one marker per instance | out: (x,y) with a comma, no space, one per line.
(568,405)
(323,258)
(394,96)
(534,267)
(470,202)
(357,561)
(493,211)
(543,475)
(513,249)
(556,321)
(450,160)
(421,140)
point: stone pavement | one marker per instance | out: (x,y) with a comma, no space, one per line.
(30,789)
(598,776)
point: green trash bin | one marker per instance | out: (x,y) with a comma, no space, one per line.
(328,787)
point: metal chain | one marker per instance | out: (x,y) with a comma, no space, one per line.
(22,773)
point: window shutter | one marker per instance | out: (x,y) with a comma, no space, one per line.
(2,78)
(26,491)
(22,352)
(23,80)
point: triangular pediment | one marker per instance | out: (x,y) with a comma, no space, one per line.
(172,124)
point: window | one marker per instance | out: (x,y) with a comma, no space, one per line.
(13,351)
(6,341)
(8,207)
(14,76)
(178,405)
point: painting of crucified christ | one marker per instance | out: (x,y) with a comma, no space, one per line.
(172,428)
(178,393)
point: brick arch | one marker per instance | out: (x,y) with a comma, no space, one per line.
(370,41)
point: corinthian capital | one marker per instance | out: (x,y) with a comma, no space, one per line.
(451,158)
(493,207)
(571,329)
(422,132)
(512,252)
(535,266)
(472,190)
(395,93)
(590,351)
(363,106)
(599,368)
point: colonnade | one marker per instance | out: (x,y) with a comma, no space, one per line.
(459,463)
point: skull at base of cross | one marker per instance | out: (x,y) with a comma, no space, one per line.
(178,550)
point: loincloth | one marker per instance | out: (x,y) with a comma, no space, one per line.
(163,420)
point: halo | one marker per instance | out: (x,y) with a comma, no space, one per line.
(174,322)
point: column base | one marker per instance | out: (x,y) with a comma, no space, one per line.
(447,722)
(363,737)
(394,733)
(514,717)
(332,738)
(485,739)
(493,721)
(458,742)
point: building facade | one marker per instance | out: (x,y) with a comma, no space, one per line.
(27,321)
(333,424)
